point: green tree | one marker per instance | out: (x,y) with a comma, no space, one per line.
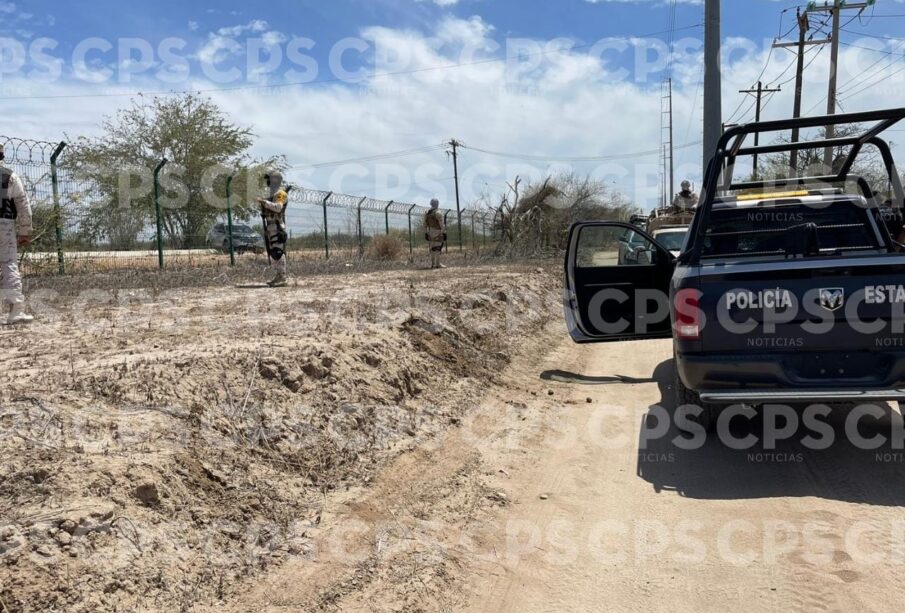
(202,147)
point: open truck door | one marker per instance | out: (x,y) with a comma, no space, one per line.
(616,283)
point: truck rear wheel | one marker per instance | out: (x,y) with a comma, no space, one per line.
(706,418)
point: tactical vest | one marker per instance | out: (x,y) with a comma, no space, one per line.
(7,204)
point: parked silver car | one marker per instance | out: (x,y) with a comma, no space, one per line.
(245,238)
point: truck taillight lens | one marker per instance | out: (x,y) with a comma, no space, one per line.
(688,315)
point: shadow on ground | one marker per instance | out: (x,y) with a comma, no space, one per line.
(789,467)
(843,471)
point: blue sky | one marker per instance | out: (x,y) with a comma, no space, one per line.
(448,79)
(331,20)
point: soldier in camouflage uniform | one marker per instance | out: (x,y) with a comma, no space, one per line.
(273,215)
(435,233)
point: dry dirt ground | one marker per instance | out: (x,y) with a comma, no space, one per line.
(407,445)
(161,447)
(596,505)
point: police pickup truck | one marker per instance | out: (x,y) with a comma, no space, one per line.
(790,290)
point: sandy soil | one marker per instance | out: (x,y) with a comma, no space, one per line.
(160,448)
(406,445)
(561,493)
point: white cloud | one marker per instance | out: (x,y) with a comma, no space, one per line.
(645,1)
(223,42)
(255,25)
(193,26)
(565,104)
(274,38)
(473,31)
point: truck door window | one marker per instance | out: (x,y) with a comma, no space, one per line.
(607,246)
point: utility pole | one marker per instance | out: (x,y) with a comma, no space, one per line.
(672,168)
(831,96)
(713,109)
(759,91)
(803,27)
(667,150)
(455,157)
(836,11)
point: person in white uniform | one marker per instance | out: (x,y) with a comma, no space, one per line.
(15,232)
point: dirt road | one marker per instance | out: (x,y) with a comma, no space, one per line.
(630,524)
(404,441)
(552,498)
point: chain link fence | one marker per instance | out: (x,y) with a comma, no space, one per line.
(78,231)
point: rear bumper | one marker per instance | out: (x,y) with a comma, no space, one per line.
(794,377)
(786,395)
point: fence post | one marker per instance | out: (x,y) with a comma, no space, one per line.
(157,211)
(386,215)
(361,244)
(411,236)
(484,227)
(57,210)
(445,226)
(229,220)
(326,231)
(473,246)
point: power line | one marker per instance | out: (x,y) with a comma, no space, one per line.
(811,61)
(759,77)
(780,75)
(599,158)
(879,36)
(373,158)
(866,74)
(883,51)
(322,81)
(875,83)
(763,71)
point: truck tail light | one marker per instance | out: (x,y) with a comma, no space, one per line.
(688,315)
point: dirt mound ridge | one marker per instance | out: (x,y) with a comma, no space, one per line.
(180,442)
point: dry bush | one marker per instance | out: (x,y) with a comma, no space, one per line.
(385,248)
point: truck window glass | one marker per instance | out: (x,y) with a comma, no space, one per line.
(764,231)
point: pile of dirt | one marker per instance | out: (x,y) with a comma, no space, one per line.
(158,447)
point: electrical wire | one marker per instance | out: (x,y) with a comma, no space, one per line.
(598,158)
(373,158)
(866,74)
(880,80)
(879,36)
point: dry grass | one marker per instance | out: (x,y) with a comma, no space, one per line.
(385,248)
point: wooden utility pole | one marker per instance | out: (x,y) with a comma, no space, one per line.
(803,27)
(455,157)
(759,92)
(836,11)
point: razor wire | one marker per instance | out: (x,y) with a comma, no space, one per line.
(79,231)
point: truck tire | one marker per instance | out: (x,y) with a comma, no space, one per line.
(684,396)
